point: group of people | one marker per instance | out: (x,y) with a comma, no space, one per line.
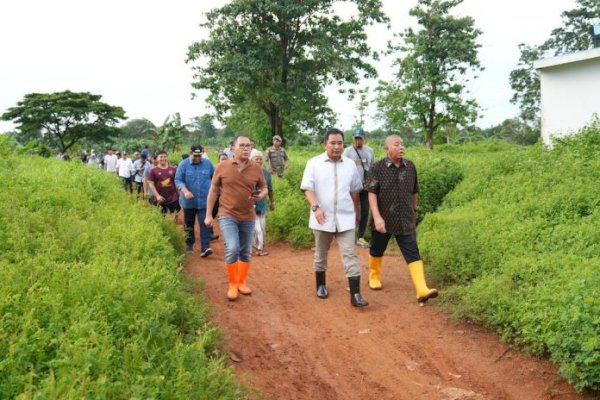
(342,185)
(191,185)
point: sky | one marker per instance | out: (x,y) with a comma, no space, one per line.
(132,52)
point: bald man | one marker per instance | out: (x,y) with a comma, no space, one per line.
(393,197)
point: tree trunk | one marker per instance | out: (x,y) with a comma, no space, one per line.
(429,140)
(276,121)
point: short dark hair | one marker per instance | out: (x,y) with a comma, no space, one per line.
(158,153)
(332,131)
(235,139)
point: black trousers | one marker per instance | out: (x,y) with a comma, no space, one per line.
(364,213)
(407,243)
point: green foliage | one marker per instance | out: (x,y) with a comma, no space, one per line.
(573,35)
(92,299)
(62,119)
(518,247)
(429,90)
(289,221)
(276,57)
(437,177)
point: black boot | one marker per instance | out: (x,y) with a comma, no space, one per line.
(322,292)
(355,298)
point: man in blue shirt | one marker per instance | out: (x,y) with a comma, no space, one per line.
(193,180)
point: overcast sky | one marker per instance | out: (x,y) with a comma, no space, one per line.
(132,52)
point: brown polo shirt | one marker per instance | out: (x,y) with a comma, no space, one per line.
(236,186)
(394,187)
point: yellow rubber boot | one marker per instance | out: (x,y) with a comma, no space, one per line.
(243,268)
(375,272)
(417,275)
(232,272)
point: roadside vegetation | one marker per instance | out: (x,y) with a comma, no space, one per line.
(92,298)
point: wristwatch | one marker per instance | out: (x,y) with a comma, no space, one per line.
(314,207)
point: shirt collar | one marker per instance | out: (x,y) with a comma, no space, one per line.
(389,162)
(327,159)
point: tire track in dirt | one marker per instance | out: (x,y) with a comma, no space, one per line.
(295,346)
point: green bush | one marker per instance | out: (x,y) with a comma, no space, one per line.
(437,177)
(517,245)
(92,300)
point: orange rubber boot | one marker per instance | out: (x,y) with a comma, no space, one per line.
(243,268)
(232,292)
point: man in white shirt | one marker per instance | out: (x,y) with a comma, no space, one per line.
(110,161)
(125,171)
(331,184)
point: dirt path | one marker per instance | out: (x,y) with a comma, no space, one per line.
(293,345)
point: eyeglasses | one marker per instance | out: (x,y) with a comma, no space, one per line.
(245,145)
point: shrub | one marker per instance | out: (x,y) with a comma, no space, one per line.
(92,300)
(518,244)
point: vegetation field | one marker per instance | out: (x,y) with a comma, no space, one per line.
(92,301)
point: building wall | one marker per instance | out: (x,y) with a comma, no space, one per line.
(570,96)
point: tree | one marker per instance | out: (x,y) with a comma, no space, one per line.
(573,36)
(513,130)
(64,118)
(429,90)
(138,129)
(170,133)
(276,56)
(204,126)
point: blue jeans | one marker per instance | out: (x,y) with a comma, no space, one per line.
(237,236)
(189,220)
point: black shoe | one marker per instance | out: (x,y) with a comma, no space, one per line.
(322,292)
(356,300)
(206,252)
(189,249)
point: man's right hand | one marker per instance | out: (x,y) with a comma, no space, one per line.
(320,216)
(188,195)
(379,224)
(208,221)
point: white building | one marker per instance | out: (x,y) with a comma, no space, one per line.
(570,92)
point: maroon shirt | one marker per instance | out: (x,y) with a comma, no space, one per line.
(164,181)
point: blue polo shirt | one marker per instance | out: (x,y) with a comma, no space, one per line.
(197,179)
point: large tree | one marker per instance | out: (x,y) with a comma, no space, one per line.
(64,118)
(573,35)
(276,57)
(434,65)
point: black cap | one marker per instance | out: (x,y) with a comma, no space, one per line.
(196,149)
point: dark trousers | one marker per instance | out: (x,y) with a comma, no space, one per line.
(189,220)
(364,213)
(407,243)
(127,184)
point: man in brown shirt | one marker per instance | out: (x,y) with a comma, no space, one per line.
(241,184)
(393,196)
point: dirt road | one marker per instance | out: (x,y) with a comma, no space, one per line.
(293,345)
